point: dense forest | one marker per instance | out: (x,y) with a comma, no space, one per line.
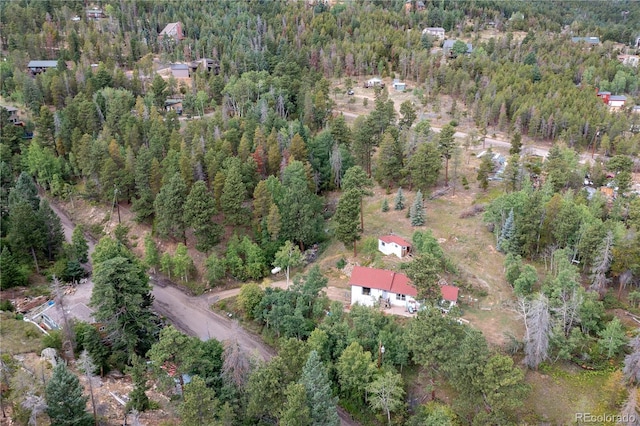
(258,167)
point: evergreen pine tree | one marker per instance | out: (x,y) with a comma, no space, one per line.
(151,253)
(12,275)
(516,144)
(138,399)
(121,285)
(399,202)
(346,218)
(485,169)
(295,411)
(53,234)
(417,211)
(25,190)
(505,243)
(199,404)
(321,402)
(169,205)
(385,205)
(79,246)
(198,213)
(66,405)
(233,195)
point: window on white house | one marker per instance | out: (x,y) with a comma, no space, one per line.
(382,243)
(401,297)
(366,291)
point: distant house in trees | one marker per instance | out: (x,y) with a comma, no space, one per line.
(604,96)
(588,40)
(637,45)
(173,105)
(206,64)
(172,30)
(392,244)
(36,67)
(94,13)
(636,109)
(629,60)
(180,70)
(447,46)
(399,86)
(617,101)
(13,115)
(373,82)
(437,32)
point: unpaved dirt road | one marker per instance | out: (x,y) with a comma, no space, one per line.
(192,314)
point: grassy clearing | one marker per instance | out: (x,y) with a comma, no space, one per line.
(466,241)
(558,392)
(18,336)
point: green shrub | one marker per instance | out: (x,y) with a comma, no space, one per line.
(611,301)
(341,263)
(7,306)
(53,340)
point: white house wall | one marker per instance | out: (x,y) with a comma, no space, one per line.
(370,300)
(390,248)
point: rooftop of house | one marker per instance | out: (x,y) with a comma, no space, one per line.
(79,311)
(448,45)
(170,28)
(179,67)
(42,64)
(9,108)
(382,279)
(434,29)
(617,98)
(449,293)
(589,40)
(395,239)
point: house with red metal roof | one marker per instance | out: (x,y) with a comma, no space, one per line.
(372,285)
(393,244)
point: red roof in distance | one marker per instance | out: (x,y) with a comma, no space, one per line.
(387,239)
(449,293)
(382,279)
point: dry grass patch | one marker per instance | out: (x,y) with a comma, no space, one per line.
(560,391)
(18,336)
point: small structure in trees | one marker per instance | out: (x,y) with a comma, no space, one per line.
(374,82)
(449,297)
(172,30)
(399,86)
(393,244)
